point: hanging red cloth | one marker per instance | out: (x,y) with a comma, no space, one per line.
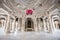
(29,11)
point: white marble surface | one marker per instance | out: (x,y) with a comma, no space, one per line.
(30,35)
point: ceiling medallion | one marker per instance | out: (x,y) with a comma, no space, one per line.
(29,12)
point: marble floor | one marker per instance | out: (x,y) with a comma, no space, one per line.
(30,36)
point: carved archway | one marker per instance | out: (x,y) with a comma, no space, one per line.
(29,25)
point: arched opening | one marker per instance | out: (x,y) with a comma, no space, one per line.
(2,22)
(29,25)
(57,24)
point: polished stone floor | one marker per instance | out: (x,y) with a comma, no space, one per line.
(30,36)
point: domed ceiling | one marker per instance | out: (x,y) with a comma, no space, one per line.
(39,6)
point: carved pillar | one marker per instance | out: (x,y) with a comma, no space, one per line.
(8,25)
(39,26)
(50,21)
(23,25)
(2,23)
(14,25)
(16,28)
(19,24)
(53,25)
(44,25)
(48,25)
(35,25)
(5,24)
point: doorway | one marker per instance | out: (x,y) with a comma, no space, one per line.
(29,25)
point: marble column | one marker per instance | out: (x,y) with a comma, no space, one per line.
(13,26)
(5,24)
(50,21)
(38,24)
(16,28)
(2,23)
(35,25)
(23,25)
(53,24)
(19,24)
(44,24)
(48,25)
(8,24)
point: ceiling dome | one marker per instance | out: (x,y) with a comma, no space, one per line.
(26,2)
(29,1)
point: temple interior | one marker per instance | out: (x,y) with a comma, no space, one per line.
(27,17)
